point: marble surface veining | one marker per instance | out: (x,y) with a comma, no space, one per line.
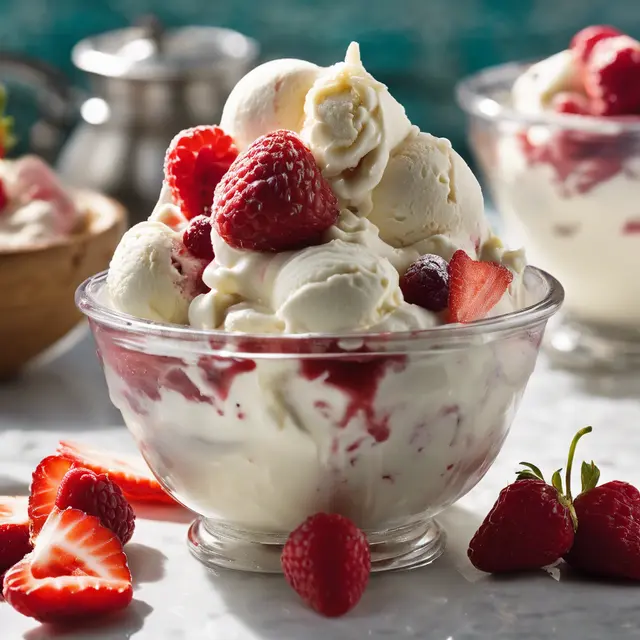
(176,598)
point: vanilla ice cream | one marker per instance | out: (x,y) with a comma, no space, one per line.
(37,208)
(428,189)
(269,97)
(402,193)
(152,276)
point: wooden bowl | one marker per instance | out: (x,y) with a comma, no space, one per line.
(37,284)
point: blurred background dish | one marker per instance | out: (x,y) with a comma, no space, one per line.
(37,283)
(559,145)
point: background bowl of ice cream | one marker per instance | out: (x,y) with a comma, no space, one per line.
(567,186)
(38,278)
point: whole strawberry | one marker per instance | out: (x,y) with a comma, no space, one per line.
(607,542)
(97,495)
(612,77)
(274,197)
(530,526)
(327,562)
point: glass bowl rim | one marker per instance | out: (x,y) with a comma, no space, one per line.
(473,98)
(399,342)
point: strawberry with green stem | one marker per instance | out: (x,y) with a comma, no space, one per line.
(533,523)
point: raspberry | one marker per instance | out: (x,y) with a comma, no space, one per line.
(274,197)
(97,495)
(426,283)
(197,238)
(612,77)
(531,525)
(583,42)
(327,562)
(607,541)
(196,160)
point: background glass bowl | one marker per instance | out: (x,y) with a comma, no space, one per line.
(568,190)
(257,432)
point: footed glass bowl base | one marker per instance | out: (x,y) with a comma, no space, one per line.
(217,545)
(579,345)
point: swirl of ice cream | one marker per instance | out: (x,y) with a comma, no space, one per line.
(352,124)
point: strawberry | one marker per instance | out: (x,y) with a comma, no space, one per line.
(196,160)
(612,77)
(14,531)
(4,198)
(44,488)
(607,542)
(474,287)
(583,42)
(274,197)
(197,238)
(426,283)
(531,525)
(130,472)
(327,562)
(97,495)
(77,570)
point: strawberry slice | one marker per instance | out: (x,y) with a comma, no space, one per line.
(475,287)
(130,473)
(76,570)
(44,489)
(14,531)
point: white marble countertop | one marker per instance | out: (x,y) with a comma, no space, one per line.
(176,598)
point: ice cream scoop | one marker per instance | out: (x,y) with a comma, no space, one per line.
(152,275)
(428,189)
(269,97)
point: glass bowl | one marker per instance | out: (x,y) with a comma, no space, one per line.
(254,433)
(568,190)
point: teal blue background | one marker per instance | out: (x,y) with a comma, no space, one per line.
(418,47)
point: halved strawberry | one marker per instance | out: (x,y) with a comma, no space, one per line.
(130,473)
(44,488)
(76,570)
(14,531)
(474,287)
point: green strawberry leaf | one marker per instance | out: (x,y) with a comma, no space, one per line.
(525,474)
(589,474)
(556,481)
(536,471)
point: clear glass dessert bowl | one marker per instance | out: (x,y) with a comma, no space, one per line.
(567,188)
(256,432)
